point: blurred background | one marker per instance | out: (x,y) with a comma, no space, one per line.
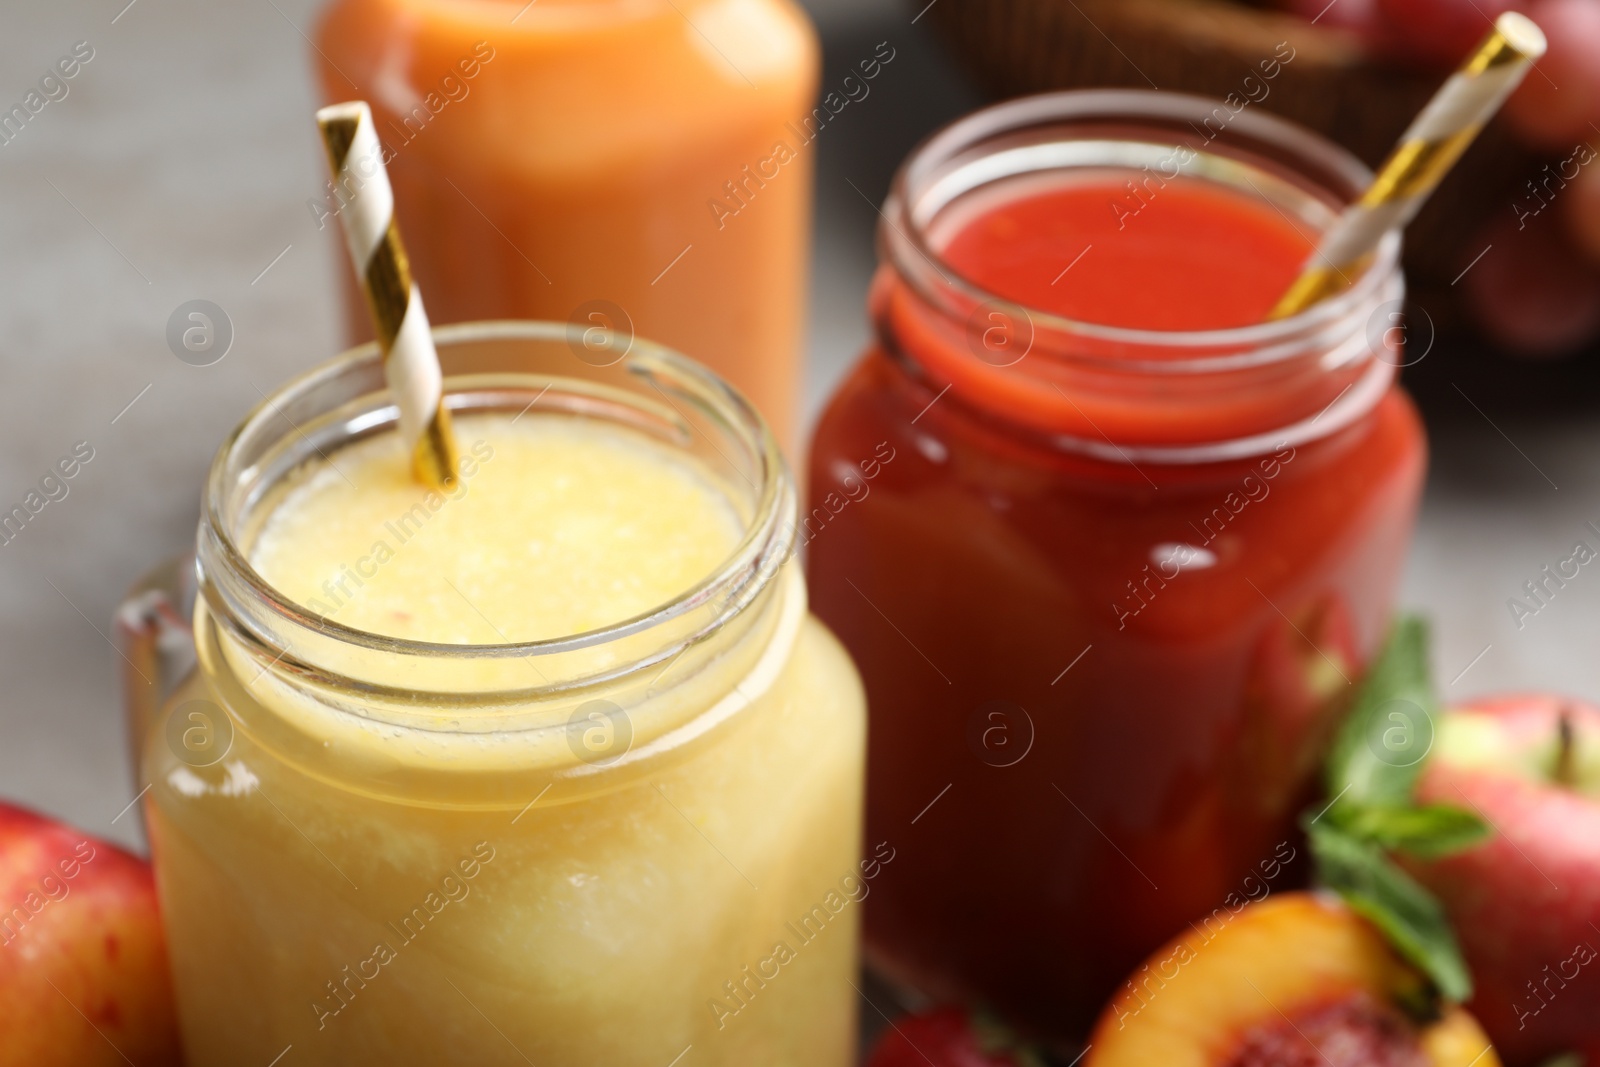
(178,166)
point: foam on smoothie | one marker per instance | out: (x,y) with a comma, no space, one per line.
(558,526)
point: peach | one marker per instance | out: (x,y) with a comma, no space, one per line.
(1297,980)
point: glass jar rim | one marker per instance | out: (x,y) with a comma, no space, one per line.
(749,568)
(906,244)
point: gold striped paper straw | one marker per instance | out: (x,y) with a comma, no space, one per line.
(1426,152)
(410,362)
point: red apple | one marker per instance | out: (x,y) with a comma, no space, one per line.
(1360,17)
(1442,33)
(1582,209)
(1526,903)
(1560,97)
(83,963)
(1532,291)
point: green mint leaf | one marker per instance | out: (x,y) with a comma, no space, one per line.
(999,1041)
(1379,750)
(1566,1059)
(1391,900)
(1426,832)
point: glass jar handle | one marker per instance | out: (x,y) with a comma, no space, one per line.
(154,634)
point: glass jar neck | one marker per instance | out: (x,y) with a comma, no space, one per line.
(1124,394)
(492,367)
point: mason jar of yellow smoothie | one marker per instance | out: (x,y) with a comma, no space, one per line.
(552,767)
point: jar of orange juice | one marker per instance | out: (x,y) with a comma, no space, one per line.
(623,164)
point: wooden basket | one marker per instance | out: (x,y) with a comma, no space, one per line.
(1208,47)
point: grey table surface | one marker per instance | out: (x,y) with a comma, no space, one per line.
(178,166)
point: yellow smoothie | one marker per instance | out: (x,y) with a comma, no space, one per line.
(451,856)
(556,526)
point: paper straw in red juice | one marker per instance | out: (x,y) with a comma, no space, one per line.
(1426,152)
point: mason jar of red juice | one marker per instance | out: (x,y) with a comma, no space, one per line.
(1109,549)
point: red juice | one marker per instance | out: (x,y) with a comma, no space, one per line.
(1109,556)
(1195,256)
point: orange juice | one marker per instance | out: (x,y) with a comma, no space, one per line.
(615,163)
